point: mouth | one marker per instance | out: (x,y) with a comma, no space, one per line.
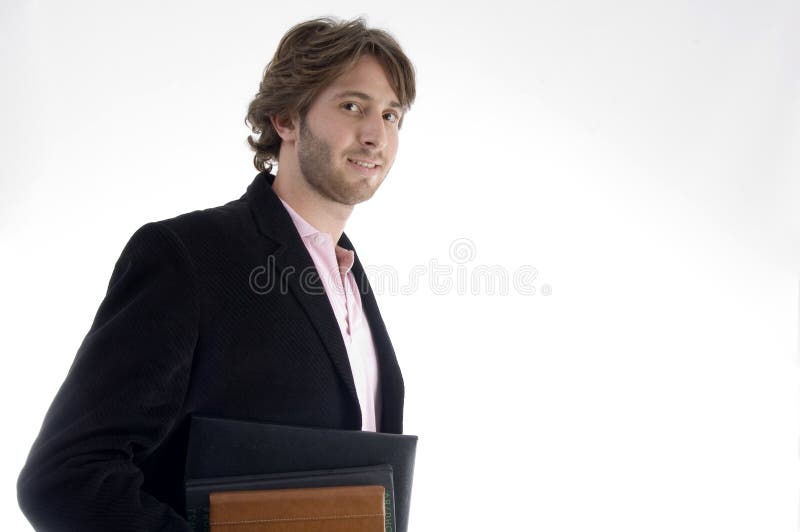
(365,167)
(364,163)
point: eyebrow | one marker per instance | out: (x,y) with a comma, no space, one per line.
(366,97)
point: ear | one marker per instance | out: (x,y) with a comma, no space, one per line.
(287,125)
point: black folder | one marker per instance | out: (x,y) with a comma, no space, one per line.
(220,449)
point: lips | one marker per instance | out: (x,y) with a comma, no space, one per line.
(365,171)
(364,163)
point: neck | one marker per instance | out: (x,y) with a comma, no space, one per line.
(323,213)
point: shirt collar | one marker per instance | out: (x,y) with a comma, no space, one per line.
(344,257)
(303,227)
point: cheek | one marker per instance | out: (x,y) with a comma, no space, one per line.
(394,142)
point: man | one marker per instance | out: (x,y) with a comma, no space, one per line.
(248,310)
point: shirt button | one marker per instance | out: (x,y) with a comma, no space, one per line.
(319,238)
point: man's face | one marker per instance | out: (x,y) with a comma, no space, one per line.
(353,122)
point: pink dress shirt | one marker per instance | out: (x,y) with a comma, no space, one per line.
(334,264)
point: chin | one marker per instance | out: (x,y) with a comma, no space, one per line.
(360,194)
(355,200)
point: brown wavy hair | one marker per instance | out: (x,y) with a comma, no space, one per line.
(309,57)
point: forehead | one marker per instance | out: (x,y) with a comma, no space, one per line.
(367,77)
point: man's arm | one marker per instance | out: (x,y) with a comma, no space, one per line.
(122,395)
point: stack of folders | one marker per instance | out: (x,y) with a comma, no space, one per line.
(256,477)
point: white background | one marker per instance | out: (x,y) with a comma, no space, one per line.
(643,157)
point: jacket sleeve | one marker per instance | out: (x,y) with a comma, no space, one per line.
(122,395)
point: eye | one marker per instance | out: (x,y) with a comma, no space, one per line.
(393,117)
(350,106)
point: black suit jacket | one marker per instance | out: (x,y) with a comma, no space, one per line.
(217,312)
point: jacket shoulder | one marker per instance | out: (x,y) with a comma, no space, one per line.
(232,216)
(228,226)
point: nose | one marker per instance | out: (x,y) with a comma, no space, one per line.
(373,133)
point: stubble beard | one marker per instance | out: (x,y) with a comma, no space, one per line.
(315,159)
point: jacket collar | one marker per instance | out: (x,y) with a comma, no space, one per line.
(270,215)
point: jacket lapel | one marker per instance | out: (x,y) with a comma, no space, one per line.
(391,379)
(294,264)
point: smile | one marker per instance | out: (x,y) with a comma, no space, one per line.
(363,164)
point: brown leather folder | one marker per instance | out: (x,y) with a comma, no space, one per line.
(330,509)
